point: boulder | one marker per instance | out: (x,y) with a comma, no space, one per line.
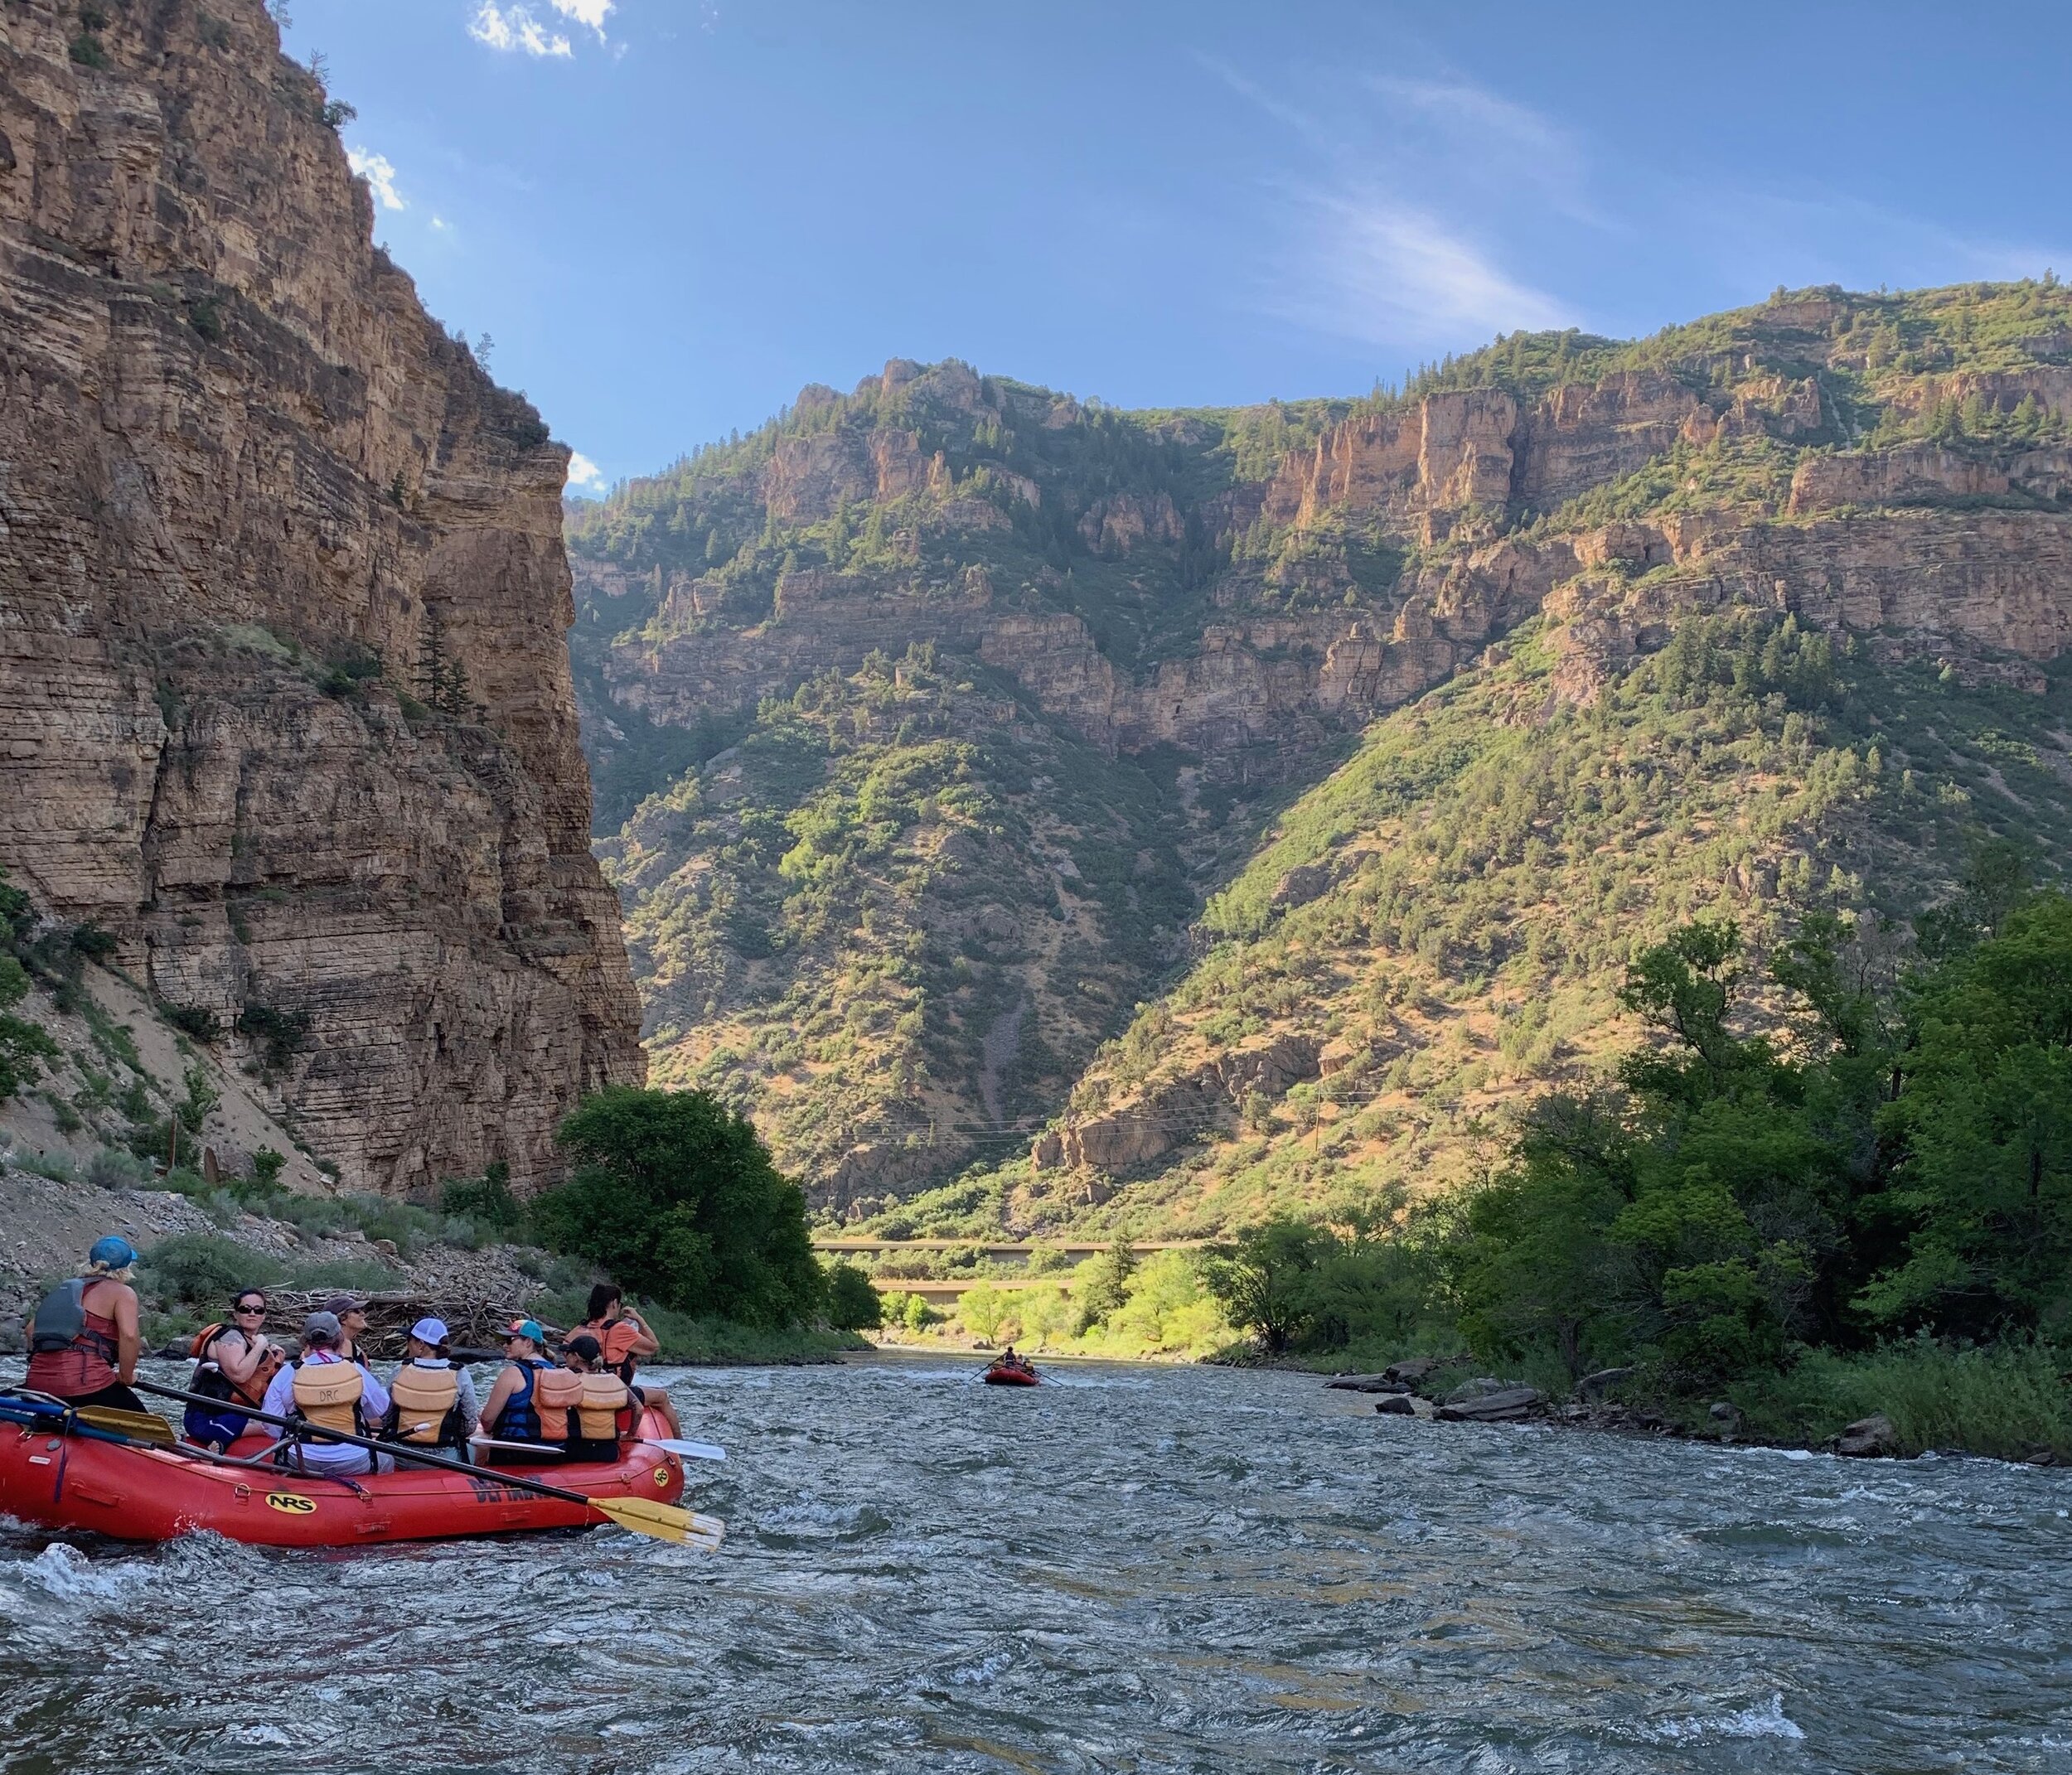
(1724,1411)
(1406,1405)
(1413,1367)
(1367,1384)
(1597,1385)
(1872,1436)
(1480,1387)
(1505,1407)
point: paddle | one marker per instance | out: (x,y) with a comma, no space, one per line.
(139,1426)
(643,1515)
(690,1451)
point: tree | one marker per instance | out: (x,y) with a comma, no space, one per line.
(983,1310)
(852,1303)
(1261,1278)
(676,1195)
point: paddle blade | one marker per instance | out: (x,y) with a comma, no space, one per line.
(139,1426)
(693,1451)
(663,1522)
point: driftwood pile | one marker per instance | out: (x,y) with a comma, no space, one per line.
(474,1326)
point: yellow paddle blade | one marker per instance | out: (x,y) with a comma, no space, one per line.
(664,1521)
(139,1426)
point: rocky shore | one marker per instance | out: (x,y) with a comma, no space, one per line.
(1432,1388)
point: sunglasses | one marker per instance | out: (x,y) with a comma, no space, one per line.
(241,1308)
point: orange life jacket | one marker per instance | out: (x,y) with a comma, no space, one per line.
(328,1395)
(423,1402)
(607,1409)
(210,1378)
(555,1393)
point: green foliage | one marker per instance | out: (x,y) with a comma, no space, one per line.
(853,1304)
(983,1310)
(200,1097)
(676,1195)
(196,1021)
(488,1199)
(202,1272)
(23,1046)
(277,1033)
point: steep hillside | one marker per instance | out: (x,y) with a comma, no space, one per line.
(284,696)
(1674,595)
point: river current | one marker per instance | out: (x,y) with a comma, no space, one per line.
(1128,1568)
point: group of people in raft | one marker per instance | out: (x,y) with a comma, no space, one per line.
(84,1341)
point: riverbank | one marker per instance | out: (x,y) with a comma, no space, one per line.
(2007,1402)
(201,1243)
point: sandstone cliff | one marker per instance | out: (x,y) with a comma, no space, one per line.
(284,697)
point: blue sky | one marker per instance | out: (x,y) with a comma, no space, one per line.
(670,215)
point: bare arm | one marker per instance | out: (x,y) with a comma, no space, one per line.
(245,1364)
(506,1385)
(129,1340)
(646,1343)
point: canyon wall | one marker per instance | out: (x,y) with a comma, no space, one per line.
(284,692)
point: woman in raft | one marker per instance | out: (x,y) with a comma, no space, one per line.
(582,1411)
(84,1340)
(621,1338)
(234,1362)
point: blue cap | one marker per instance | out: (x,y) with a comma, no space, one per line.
(530,1328)
(112,1253)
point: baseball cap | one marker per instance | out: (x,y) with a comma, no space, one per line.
(583,1344)
(340,1304)
(114,1252)
(323,1325)
(429,1331)
(530,1328)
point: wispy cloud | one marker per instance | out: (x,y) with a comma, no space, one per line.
(513,28)
(584,474)
(379,175)
(1390,233)
(589,12)
(1385,273)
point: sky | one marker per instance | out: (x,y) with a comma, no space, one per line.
(669,216)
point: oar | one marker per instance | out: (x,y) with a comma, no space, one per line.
(690,1451)
(643,1515)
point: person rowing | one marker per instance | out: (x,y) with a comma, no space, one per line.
(84,1340)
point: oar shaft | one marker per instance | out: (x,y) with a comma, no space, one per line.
(402,1450)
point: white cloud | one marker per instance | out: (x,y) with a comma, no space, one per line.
(376,170)
(1384,273)
(440,225)
(583,472)
(590,13)
(513,27)
(1480,137)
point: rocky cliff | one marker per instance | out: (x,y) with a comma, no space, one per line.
(284,695)
(1472,580)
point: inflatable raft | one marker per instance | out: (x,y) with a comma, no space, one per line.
(114,1487)
(997,1375)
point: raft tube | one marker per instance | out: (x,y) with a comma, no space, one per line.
(129,1492)
(998,1376)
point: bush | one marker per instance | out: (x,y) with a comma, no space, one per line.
(984,1310)
(114,1169)
(196,1021)
(202,1272)
(852,1303)
(677,1196)
(487,1199)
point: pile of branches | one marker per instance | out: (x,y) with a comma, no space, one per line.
(476,1326)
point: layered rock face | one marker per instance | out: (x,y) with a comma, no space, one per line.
(284,695)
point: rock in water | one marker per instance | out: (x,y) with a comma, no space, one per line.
(1868,1436)
(1504,1406)
(1367,1384)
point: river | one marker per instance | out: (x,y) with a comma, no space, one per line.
(1129,1569)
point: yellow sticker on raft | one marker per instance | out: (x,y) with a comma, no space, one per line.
(293,1502)
(662,1478)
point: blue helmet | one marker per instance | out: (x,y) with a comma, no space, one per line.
(111,1254)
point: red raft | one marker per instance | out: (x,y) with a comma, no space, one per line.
(135,1493)
(998,1375)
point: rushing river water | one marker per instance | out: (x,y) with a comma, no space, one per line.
(1129,1569)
